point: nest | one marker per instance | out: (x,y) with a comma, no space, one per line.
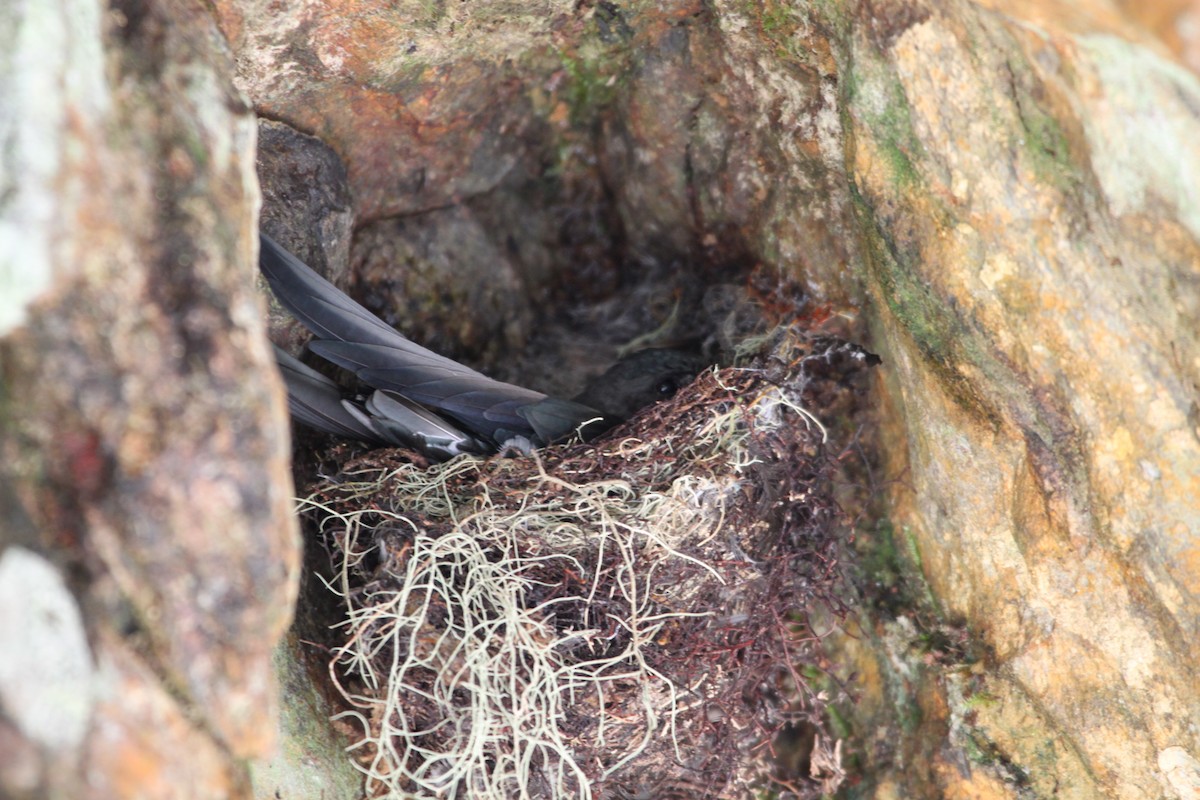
(626,618)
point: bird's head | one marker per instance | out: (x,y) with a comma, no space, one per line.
(640,379)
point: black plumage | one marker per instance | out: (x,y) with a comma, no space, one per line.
(422,400)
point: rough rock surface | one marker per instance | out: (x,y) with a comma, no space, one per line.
(1001,195)
(1027,188)
(1007,190)
(149,562)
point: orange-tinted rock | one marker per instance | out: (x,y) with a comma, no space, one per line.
(1004,191)
(142,432)
(1009,185)
(1033,266)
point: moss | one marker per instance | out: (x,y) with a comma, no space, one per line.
(1045,144)
(1046,757)
(962,357)
(310,760)
(942,337)
(895,585)
(833,16)
(897,141)
(912,548)
(598,67)
(875,95)
(981,700)
(197,149)
(977,751)
(401,74)
(878,556)
(777,19)
(434,11)
(839,723)
(917,572)
(818,680)
(594,84)
(1037,135)
(781,24)
(983,752)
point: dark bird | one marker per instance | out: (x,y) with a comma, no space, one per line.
(428,402)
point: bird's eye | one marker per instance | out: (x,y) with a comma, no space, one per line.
(667,388)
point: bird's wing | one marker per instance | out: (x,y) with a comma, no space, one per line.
(355,339)
(384,418)
(316,401)
(419,427)
(485,406)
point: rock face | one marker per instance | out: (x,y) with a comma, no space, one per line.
(149,561)
(1006,190)
(1027,188)
(999,197)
